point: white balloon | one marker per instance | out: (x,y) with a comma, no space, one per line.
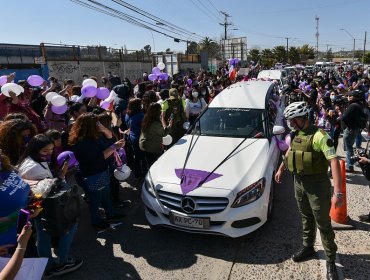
(58,100)
(161,65)
(6,88)
(74,98)
(111,96)
(89,82)
(167,140)
(122,173)
(50,95)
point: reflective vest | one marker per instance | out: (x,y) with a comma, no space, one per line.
(176,109)
(302,159)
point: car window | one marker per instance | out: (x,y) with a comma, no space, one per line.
(230,122)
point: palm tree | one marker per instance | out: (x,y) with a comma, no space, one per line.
(267,58)
(294,55)
(211,46)
(254,55)
(279,53)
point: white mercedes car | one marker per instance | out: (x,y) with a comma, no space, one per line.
(218,178)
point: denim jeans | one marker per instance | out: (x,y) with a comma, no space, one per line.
(358,140)
(349,136)
(44,243)
(99,196)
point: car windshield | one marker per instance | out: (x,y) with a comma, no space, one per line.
(229,122)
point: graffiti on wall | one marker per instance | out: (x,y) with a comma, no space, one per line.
(63,68)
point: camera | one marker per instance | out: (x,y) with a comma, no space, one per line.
(360,153)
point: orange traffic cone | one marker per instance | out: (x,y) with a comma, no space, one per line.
(339,214)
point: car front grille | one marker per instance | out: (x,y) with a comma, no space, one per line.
(204,204)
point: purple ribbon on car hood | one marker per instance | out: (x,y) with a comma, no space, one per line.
(190,178)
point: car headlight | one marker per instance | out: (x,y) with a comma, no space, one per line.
(149,185)
(250,193)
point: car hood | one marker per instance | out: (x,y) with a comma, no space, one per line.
(244,166)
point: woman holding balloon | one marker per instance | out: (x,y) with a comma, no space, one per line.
(152,133)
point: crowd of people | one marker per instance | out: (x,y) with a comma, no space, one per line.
(33,136)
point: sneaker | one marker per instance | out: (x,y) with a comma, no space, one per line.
(364,218)
(116,218)
(350,169)
(331,271)
(102,225)
(303,254)
(70,266)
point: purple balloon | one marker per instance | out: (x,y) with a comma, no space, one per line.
(35,80)
(3,80)
(190,82)
(236,60)
(282,145)
(59,110)
(163,76)
(62,156)
(102,93)
(89,91)
(104,104)
(152,77)
(288,139)
(122,154)
(231,61)
(156,70)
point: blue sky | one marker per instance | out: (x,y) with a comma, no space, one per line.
(264,23)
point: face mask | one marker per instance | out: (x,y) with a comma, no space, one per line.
(289,124)
(333,97)
(195,94)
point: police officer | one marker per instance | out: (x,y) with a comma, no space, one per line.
(307,158)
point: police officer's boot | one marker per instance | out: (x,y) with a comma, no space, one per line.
(303,254)
(364,218)
(331,271)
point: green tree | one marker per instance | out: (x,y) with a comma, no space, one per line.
(307,52)
(192,48)
(329,55)
(279,53)
(147,49)
(254,55)
(367,58)
(294,55)
(267,58)
(211,46)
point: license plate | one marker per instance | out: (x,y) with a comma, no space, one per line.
(189,222)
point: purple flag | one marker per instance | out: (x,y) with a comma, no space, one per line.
(192,178)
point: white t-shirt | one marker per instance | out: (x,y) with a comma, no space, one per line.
(195,108)
(35,171)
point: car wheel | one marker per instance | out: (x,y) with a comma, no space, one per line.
(271,199)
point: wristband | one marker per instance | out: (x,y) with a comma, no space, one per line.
(339,195)
(19,248)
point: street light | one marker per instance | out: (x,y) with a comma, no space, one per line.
(354,43)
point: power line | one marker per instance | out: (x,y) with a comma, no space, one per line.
(216,16)
(218,11)
(134,22)
(154,18)
(203,11)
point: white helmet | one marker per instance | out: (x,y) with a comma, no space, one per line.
(296,109)
(122,173)
(320,74)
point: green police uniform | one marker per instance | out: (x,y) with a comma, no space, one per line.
(308,161)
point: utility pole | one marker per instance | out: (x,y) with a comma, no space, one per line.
(225,24)
(317,36)
(363,56)
(287,49)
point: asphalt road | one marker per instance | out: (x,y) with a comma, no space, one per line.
(133,250)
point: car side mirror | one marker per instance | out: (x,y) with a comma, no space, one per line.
(186,125)
(278,130)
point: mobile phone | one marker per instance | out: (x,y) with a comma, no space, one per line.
(23,218)
(67,159)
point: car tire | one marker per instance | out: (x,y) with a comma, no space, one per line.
(270,206)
